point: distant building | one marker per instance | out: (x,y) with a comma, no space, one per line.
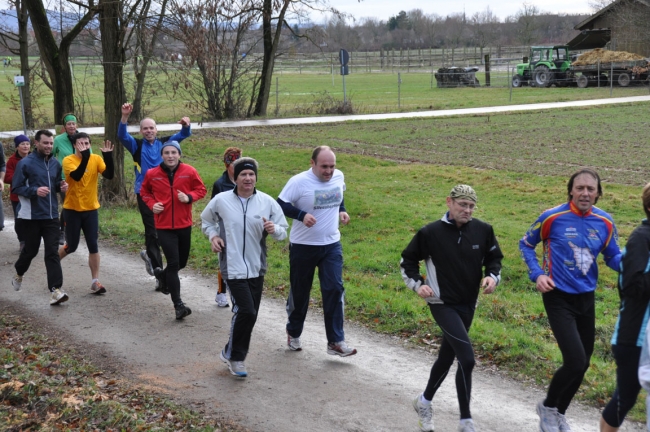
(623,25)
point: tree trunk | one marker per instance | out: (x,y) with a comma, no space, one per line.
(268,61)
(25,69)
(56,57)
(114,92)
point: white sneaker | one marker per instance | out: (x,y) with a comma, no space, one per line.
(340,349)
(58,297)
(548,418)
(562,423)
(425,414)
(237,368)
(17,282)
(466,425)
(294,343)
(222,300)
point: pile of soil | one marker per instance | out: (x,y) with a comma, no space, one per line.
(605,56)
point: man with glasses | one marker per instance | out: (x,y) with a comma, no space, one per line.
(461,255)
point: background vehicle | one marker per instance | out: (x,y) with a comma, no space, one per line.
(547,65)
(457,77)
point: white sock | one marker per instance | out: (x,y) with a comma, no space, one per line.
(465,421)
(93,281)
(423,400)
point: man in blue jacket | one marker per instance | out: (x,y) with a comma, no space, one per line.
(36,181)
(573,234)
(146,152)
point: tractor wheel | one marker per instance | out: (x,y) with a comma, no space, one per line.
(543,76)
(624,79)
(517,81)
(582,81)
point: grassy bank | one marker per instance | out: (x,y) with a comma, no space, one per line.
(397,175)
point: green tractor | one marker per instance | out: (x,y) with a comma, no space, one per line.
(548,65)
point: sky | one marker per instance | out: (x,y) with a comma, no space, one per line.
(384,9)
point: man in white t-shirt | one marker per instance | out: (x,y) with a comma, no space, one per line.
(314,200)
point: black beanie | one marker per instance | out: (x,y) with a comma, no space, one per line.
(245,163)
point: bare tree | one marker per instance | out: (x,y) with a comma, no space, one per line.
(485,27)
(18,44)
(527,24)
(214,34)
(56,56)
(274,14)
(455,29)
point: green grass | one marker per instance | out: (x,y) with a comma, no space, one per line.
(297,94)
(398,174)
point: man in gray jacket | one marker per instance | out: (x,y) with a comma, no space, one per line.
(237,224)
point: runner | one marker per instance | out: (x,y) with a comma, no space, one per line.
(146,152)
(82,170)
(223,184)
(314,199)
(36,181)
(169,190)
(63,147)
(23,146)
(237,224)
(573,234)
(629,333)
(461,255)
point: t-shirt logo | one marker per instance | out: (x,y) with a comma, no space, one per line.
(583,258)
(326,198)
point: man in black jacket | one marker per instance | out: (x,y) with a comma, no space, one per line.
(461,255)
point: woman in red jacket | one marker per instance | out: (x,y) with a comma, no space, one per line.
(23,146)
(169,191)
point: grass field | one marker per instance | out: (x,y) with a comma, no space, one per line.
(398,174)
(294,94)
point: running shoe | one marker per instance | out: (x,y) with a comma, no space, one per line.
(294,343)
(237,368)
(182,311)
(222,300)
(161,283)
(340,349)
(548,418)
(17,282)
(58,297)
(97,288)
(147,262)
(562,423)
(425,414)
(62,238)
(466,425)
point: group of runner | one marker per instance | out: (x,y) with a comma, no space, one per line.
(461,255)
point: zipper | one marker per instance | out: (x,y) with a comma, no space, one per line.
(244,209)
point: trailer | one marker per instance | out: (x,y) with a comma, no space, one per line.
(622,73)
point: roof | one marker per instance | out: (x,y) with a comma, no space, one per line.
(605,10)
(590,39)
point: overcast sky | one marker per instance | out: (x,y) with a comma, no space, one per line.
(384,9)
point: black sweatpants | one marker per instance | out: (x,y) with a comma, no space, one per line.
(176,245)
(246,296)
(150,234)
(454,321)
(627,384)
(49,231)
(573,320)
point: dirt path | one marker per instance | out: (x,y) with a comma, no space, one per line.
(133,327)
